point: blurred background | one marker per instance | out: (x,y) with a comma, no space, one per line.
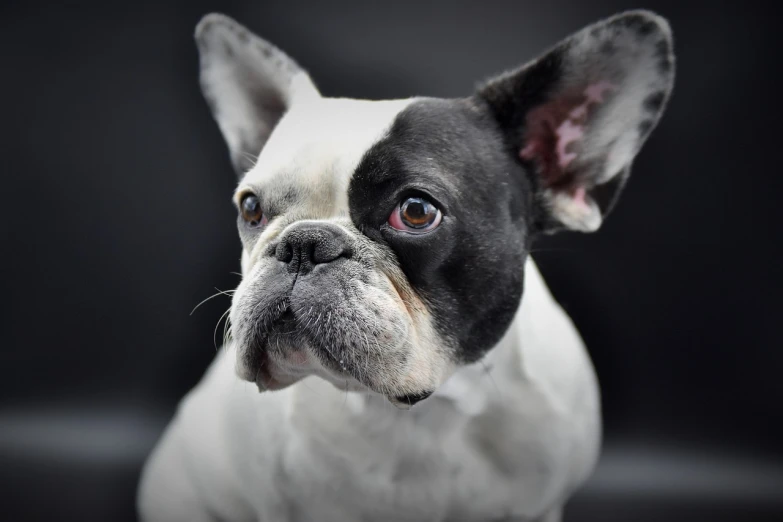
(117,221)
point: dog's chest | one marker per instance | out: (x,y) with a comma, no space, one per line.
(426,464)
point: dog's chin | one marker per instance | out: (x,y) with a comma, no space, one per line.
(276,366)
(278,373)
(364,344)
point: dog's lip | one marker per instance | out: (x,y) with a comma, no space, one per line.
(296,359)
(269,378)
(280,369)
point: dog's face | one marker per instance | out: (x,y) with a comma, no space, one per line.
(384,242)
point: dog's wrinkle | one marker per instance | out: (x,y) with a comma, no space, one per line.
(354,317)
(399,292)
(335,332)
(261,326)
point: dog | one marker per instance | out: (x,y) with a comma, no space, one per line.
(394,354)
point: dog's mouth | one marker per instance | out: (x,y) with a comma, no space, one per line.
(288,349)
(350,332)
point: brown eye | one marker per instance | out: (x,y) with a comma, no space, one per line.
(415,215)
(250,208)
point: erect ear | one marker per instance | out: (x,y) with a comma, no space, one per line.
(248,83)
(577,116)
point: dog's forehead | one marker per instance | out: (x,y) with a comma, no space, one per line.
(314,150)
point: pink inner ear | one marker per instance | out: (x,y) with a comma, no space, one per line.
(553,127)
(578,195)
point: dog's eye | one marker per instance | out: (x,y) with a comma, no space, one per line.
(250,208)
(415,215)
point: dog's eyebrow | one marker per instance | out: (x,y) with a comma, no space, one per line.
(384,168)
(276,198)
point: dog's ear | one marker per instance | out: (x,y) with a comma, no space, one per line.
(248,83)
(577,116)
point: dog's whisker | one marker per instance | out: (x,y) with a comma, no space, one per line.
(214,333)
(251,157)
(226,329)
(219,292)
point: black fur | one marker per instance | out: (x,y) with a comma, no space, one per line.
(465,156)
(469,270)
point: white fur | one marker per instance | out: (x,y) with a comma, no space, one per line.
(510,436)
(323,139)
(316,148)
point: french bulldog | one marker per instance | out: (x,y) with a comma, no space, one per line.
(394,354)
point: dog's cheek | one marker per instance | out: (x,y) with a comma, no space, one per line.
(379,335)
(239,315)
(258,286)
(427,361)
(236,316)
(238,319)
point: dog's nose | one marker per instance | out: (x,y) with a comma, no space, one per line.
(305,245)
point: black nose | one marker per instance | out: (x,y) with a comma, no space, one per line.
(305,245)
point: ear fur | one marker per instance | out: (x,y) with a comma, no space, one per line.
(248,83)
(577,116)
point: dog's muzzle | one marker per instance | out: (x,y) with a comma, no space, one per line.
(290,331)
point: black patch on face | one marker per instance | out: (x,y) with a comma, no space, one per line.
(469,270)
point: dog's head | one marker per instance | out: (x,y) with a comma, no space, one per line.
(384,241)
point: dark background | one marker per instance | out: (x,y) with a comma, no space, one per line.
(117,221)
